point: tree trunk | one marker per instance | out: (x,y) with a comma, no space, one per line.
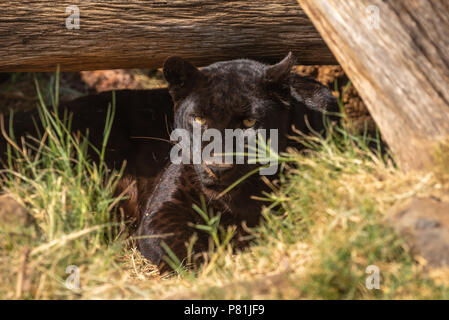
(399,63)
(142,33)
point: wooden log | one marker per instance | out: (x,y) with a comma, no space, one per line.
(142,33)
(399,63)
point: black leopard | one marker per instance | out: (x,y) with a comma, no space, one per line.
(159,194)
(226,95)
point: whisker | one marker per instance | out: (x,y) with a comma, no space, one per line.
(154,138)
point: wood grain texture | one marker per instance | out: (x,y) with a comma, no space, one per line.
(401,69)
(142,33)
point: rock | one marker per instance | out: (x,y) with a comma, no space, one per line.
(424,222)
(12,212)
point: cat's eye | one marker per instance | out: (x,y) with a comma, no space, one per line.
(249,122)
(199,120)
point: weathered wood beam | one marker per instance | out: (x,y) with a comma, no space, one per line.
(396,52)
(142,33)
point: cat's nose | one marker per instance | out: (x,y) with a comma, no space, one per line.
(219,169)
(218,166)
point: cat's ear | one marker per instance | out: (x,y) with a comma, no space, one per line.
(280,71)
(181,76)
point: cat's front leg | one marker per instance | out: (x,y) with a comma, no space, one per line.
(168,230)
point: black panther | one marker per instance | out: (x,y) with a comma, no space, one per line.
(238,94)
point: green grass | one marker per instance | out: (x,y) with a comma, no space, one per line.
(324,224)
(68,196)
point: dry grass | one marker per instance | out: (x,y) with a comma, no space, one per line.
(324,224)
